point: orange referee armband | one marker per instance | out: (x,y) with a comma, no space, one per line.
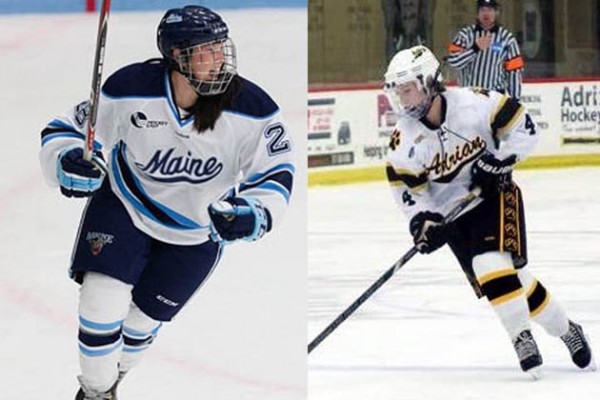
(454,48)
(514,63)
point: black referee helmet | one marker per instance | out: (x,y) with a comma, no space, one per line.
(487,3)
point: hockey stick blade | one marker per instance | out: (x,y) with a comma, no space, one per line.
(90,134)
(460,207)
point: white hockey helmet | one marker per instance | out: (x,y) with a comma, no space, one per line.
(419,65)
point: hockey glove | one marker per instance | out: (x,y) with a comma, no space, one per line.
(428,232)
(238,218)
(78,177)
(492,175)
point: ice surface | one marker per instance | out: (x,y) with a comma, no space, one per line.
(424,335)
(243,335)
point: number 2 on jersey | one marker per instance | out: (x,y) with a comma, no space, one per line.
(278,143)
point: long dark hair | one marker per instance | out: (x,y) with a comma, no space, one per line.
(208,109)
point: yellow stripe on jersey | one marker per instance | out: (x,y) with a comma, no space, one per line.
(506,115)
(501,285)
(532,288)
(507,297)
(537,298)
(398,177)
(495,275)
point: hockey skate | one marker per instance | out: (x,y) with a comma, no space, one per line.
(86,393)
(579,347)
(528,353)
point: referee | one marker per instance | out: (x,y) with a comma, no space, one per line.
(486,54)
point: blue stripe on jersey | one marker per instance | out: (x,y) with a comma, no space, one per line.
(97,326)
(278,179)
(134,334)
(169,97)
(137,343)
(274,187)
(99,352)
(280,167)
(51,136)
(132,189)
(98,340)
(59,129)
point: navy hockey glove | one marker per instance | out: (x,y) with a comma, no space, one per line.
(78,177)
(428,232)
(238,218)
(492,175)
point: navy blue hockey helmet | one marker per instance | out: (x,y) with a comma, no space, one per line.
(190,29)
(487,3)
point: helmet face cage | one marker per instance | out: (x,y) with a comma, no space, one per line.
(209,67)
(195,41)
(419,66)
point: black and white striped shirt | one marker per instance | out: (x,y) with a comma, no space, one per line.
(499,67)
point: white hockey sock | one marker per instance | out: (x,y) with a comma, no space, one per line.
(500,284)
(139,330)
(543,308)
(103,305)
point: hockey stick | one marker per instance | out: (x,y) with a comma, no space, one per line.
(97,80)
(468,199)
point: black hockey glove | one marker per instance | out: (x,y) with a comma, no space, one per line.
(492,175)
(238,218)
(428,232)
(78,177)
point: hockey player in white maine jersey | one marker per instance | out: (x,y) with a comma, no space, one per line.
(174,135)
(446,142)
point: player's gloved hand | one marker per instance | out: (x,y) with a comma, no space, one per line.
(238,218)
(78,177)
(492,175)
(428,232)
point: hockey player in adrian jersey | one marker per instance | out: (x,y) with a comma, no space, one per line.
(446,142)
(190,156)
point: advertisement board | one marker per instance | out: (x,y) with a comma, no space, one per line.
(351,128)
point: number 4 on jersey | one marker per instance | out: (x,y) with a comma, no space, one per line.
(407,198)
(529,125)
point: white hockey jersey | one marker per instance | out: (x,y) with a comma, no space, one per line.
(166,173)
(429,168)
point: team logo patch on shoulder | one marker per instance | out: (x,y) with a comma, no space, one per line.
(140,120)
(97,240)
(418,52)
(82,112)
